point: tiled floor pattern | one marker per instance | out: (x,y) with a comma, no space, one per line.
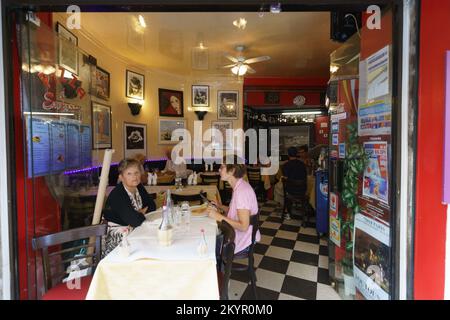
(291,262)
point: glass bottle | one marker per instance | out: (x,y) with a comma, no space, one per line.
(165,229)
(169,206)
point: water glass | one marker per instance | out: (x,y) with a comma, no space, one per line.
(185,218)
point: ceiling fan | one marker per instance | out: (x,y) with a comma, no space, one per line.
(240,64)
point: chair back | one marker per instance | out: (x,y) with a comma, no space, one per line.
(295,187)
(254,175)
(191,198)
(54,257)
(210,179)
(254,222)
(226,255)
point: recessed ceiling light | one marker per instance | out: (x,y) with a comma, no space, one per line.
(142,21)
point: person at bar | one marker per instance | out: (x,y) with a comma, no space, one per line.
(243,204)
(126,205)
(303,156)
(179,170)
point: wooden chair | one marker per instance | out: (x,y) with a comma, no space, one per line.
(210,179)
(254,222)
(296,197)
(226,258)
(55,261)
(191,198)
(254,178)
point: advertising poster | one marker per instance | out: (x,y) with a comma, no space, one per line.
(378,74)
(341,150)
(374,119)
(86,145)
(335,231)
(73,145)
(335,139)
(38,147)
(58,142)
(376,174)
(372,258)
(333,205)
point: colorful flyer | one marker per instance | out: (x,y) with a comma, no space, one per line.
(378,74)
(38,147)
(335,231)
(335,139)
(376,174)
(58,134)
(342,151)
(372,258)
(333,205)
(375,119)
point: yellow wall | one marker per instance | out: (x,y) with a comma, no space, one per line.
(149,115)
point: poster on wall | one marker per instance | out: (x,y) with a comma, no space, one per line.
(73,145)
(334,205)
(86,145)
(135,136)
(372,258)
(378,74)
(58,143)
(335,231)
(374,119)
(38,147)
(376,174)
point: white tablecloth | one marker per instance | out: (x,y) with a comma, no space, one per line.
(154,272)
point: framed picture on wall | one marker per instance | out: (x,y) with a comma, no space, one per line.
(100,83)
(170,103)
(166,128)
(200,96)
(101,126)
(67,49)
(221,142)
(227,105)
(135,139)
(135,84)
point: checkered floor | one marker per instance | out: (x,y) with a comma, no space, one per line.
(291,262)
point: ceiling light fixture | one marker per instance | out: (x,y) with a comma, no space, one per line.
(240,69)
(241,23)
(333,68)
(142,21)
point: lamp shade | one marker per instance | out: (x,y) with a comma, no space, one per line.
(239,70)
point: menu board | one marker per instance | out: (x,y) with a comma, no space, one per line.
(58,146)
(73,145)
(86,145)
(38,135)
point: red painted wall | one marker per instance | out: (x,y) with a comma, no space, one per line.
(322,130)
(286,98)
(37,211)
(430,227)
(286,82)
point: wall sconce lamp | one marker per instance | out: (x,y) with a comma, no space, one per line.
(201,114)
(135,108)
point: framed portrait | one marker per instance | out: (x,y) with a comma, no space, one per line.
(166,128)
(221,143)
(200,96)
(170,103)
(67,49)
(227,104)
(135,85)
(100,83)
(101,126)
(135,139)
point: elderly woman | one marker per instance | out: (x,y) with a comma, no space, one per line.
(243,205)
(127,204)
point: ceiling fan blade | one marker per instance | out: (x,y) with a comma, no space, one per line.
(354,58)
(257,59)
(229,66)
(231,58)
(250,70)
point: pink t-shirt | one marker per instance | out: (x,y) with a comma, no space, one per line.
(243,198)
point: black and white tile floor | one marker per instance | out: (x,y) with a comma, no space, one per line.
(291,262)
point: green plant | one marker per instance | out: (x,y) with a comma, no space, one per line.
(355,162)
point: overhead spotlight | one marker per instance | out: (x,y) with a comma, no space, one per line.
(142,21)
(275,7)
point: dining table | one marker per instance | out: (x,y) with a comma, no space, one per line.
(143,269)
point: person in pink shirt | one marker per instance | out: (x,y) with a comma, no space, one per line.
(243,204)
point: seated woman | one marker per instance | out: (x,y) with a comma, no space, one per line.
(126,205)
(243,204)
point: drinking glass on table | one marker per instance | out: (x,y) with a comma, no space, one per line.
(185,216)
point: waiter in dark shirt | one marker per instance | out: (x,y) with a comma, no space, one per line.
(294,169)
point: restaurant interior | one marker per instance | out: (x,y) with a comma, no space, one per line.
(117,86)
